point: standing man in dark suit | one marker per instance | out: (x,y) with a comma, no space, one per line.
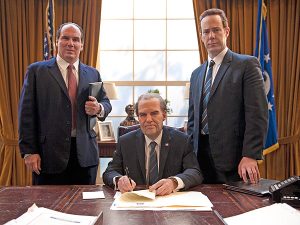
(53,115)
(228,111)
(153,155)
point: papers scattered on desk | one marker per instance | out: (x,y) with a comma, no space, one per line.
(276,214)
(93,195)
(176,201)
(44,216)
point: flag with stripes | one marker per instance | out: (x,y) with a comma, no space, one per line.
(49,35)
(262,52)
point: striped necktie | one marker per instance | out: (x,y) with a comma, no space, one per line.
(153,167)
(72,90)
(205,97)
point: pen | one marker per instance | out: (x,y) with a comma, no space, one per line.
(220,217)
(127,174)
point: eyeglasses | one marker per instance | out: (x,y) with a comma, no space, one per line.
(215,30)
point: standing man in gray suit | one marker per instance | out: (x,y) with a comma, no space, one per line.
(54,106)
(154,155)
(228,111)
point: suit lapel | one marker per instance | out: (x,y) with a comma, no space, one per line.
(164,151)
(140,149)
(221,72)
(200,82)
(56,74)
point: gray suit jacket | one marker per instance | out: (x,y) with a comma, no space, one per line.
(237,110)
(45,116)
(176,158)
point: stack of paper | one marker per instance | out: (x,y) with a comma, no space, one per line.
(145,200)
(276,214)
(43,216)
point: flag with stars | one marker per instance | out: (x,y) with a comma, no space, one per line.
(262,52)
(49,37)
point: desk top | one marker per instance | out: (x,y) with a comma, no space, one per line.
(14,201)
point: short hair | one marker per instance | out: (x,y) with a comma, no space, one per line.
(215,11)
(70,23)
(147,96)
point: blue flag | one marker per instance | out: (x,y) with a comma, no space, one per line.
(49,38)
(262,52)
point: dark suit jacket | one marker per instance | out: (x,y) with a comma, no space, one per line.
(45,116)
(176,158)
(237,110)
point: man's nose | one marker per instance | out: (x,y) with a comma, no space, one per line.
(211,34)
(148,118)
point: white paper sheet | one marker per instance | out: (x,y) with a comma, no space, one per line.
(93,195)
(276,214)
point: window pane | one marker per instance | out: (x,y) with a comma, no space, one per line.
(139,90)
(176,121)
(180,9)
(125,95)
(149,65)
(150,9)
(178,104)
(116,65)
(181,64)
(182,35)
(117,9)
(116,35)
(149,34)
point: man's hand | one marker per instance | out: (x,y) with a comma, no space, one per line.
(92,106)
(163,187)
(33,163)
(126,185)
(249,167)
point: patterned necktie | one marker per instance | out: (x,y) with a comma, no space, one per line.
(153,167)
(72,90)
(205,97)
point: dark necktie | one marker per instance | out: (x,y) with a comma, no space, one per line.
(153,167)
(72,90)
(205,97)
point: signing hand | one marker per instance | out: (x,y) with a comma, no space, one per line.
(126,185)
(92,106)
(33,163)
(249,167)
(163,187)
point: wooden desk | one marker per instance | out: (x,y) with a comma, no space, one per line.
(14,201)
(106,149)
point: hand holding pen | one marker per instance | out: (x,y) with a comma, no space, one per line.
(125,183)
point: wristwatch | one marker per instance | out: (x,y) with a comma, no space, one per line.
(174,180)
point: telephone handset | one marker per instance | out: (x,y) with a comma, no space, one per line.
(287,191)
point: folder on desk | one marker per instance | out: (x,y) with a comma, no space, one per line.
(94,89)
(259,189)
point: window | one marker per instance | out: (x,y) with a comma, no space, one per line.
(148,44)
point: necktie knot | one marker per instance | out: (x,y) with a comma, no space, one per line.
(211,63)
(152,145)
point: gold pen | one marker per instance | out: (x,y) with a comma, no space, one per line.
(127,174)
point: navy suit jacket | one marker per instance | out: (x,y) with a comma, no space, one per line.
(237,110)
(176,158)
(45,116)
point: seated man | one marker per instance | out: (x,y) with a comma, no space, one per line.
(139,152)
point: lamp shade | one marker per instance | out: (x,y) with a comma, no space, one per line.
(187,90)
(111,90)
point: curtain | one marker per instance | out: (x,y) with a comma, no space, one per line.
(22,26)
(283,30)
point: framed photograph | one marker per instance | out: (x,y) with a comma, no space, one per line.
(106,132)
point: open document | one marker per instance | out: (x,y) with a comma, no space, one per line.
(276,214)
(189,200)
(44,216)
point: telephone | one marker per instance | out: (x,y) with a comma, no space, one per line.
(287,191)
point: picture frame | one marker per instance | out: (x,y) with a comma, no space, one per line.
(105,131)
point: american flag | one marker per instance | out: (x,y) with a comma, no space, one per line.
(49,35)
(262,52)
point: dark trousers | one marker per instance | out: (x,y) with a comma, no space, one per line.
(73,174)
(210,173)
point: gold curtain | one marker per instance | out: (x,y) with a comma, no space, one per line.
(22,24)
(283,23)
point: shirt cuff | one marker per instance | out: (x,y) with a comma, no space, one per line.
(101,114)
(115,181)
(26,155)
(180,184)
